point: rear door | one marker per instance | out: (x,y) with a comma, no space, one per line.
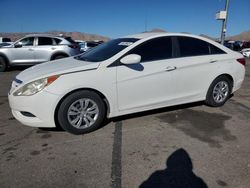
(197,62)
(44,48)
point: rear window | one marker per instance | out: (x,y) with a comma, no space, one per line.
(69,39)
(57,41)
(192,47)
(189,46)
(215,50)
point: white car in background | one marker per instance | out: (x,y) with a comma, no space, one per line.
(246,52)
(125,75)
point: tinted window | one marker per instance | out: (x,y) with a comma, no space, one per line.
(215,50)
(27,41)
(192,47)
(69,39)
(155,49)
(106,50)
(92,44)
(57,41)
(44,41)
(6,40)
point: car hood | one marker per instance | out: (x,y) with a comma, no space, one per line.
(57,67)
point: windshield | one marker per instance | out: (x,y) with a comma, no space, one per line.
(106,50)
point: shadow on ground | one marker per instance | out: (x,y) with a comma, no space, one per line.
(135,115)
(178,174)
(18,68)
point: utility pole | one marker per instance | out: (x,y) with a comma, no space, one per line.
(224,23)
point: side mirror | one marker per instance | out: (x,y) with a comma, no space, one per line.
(131,59)
(18,45)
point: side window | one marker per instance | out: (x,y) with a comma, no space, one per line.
(154,49)
(45,41)
(27,41)
(57,41)
(215,50)
(192,47)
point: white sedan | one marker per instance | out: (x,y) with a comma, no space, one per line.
(125,75)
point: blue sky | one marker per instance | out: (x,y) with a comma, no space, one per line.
(114,18)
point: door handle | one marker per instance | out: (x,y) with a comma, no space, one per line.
(31,49)
(213,61)
(170,68)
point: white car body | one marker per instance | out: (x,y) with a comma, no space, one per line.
(125,90)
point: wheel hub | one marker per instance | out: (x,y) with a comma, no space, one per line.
(83,113)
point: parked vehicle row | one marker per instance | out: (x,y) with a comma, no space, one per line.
(123,76)
(240,46)
(37,48)
(86,45)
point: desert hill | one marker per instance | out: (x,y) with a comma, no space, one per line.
(73,35)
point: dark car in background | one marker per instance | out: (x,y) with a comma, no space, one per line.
(86,45)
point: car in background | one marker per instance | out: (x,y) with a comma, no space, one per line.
(5,44)
(246,52)
(4,39)
(245,44)
(37,48)
(123,76)
(86,45)
(233,45)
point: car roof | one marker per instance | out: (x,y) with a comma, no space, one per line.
(160,34)
(42,35)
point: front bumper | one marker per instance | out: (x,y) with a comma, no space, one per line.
(42,105)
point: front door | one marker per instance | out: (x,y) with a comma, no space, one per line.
(149,83)
(23,54)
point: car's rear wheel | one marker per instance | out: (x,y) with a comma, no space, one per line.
(60,57)
(3,64)
(219,91)
(81,112)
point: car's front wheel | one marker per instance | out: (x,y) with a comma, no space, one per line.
(219,91)
(81,112)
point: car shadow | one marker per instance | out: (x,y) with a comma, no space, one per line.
(178,173)
(134,115)
(157,111)
(140,114)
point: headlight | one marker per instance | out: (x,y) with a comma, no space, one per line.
(35,86)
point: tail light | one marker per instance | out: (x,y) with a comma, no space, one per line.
(74,46)
(242,61)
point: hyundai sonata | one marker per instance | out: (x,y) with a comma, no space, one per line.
(125,75)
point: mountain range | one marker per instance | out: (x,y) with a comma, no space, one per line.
(244,36)
(73,35)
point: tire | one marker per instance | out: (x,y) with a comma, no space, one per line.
(59,57)
(3,64)
(77,110)
(219,91)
